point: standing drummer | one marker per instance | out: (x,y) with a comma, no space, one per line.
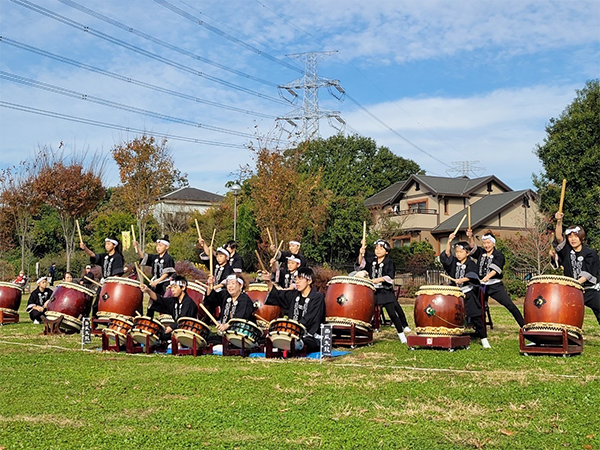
(464,272)
(304,304)
(382,271)
(235,259)
(294,250)
(180,304)
(112,262)
(222,269)
(579,262)
(38,300)
(162,264)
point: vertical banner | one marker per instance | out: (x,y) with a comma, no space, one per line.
(326,340)
(126,239)
(86,331)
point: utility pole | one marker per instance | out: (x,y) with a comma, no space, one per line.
(310,113)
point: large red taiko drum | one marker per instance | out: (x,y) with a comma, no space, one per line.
(439,311)
(350,300)
(258,293)
(10,296)
(553,303)
(120,296)
(71,301)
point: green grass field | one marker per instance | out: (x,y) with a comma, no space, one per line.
(55,396)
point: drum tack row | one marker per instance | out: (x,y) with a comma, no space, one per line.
(553,313)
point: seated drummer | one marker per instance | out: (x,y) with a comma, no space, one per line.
(286,277)
(38,300)
(464,271)
(233,301)
(112,263)
(382,272)
(304,304)
(222,269)
(579,262)
(68,277)
(178,305)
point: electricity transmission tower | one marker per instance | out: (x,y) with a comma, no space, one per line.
(310,113)
(466,168)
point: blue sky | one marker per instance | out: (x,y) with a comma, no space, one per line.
(461,80)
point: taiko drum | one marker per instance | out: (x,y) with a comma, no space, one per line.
(351,298)
(71,299)
(120,296)
(10,296)
(439,310)
(258,293)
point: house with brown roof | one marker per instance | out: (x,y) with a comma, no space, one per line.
(429,208)
(173,209)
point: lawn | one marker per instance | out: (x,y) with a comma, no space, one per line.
(55,396)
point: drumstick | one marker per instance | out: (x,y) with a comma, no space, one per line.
(210,259)
(469,215)
(261,318)
(210,316)
(447,277)
(364,238)
(262,266)
(270,238)
(460,224)
(198,229)
(278,248)
(133,233)
(140,271)
(204,285)
(92,281)
(79,231)
(562,195)
(212,241)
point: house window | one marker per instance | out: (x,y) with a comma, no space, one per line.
(417,187)
(489,186)
(418,207)
(446,206)
(401,241)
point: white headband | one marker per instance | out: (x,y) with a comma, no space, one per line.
(459,246)
(295,243)
(293,258)
(112,241)
(40,280)
(222,250)
(572,230)
(180,283)
(233,277)
(162,241)
(489,237)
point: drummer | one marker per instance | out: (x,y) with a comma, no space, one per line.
(286,277)
(464,271)
(38,300)
(490,266)
(180,304)
(87,274)
(222,269)
(382,271)
(579,262)
(294,250)
(68,277)
(233,301)
(304,304)
(112,262)
(162,264)
(235,259)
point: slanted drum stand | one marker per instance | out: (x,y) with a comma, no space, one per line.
(52,326)
(558,342)
(8,316)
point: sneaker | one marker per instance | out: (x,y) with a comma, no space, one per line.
(36,322)
(485,343)
(402,338)
(407,330)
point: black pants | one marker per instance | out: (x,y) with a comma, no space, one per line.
(311,344)
(498,292)
(591,299)
(36,315)
(396,315)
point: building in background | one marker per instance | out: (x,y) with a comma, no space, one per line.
(173,210)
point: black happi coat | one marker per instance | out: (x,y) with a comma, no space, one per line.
(384,292)
(485,263)
(171,305)
(309,311)
(583,263)
(284,256)
(237,263)
(112,266)
(38,298)
(285,279)
(243,308)
(457,270)
(160,265)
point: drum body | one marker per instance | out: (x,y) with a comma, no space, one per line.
(146,327)
(69,324)
(243,331)
(190,328)
(350,299)
(71,299)
(553,302)
(10,296)
(120,296)
(166,319)
(118,326)
(282,331)
(439,311)
(258,293)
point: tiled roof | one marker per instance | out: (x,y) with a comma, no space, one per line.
(191,194)
(384,197)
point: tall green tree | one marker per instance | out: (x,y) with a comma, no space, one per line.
(571,150)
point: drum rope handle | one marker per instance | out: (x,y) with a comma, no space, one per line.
(443,320)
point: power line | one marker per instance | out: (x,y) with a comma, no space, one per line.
(101,101)
(97,123)
(81,65)
(221,33)
(139,50)
(148,37)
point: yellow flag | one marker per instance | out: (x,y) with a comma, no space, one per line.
(126,239)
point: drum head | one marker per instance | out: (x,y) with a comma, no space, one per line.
(186,338)
(236,338)
(113,333)
(139,336)
(166,319)
(282,341)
